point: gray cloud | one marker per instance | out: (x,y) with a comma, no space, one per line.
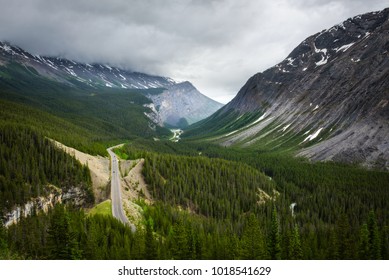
(215,44)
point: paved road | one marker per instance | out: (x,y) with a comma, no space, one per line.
(116,193)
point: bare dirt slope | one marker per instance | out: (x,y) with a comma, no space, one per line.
(133,187)
(99,169)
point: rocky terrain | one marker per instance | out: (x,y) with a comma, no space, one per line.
(330,95)
(182,104)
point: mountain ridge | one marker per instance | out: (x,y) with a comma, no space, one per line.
(328,99)
(98,76)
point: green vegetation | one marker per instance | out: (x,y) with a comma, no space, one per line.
(205,185)
(333,201)
(209,202)
(104,208)
(207,206)
(30,165)
(97,117)
(220,123)
(53,127)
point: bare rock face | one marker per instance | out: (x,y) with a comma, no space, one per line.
(181,104)
(336,83)
(74,195)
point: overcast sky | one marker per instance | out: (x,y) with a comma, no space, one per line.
(217,45)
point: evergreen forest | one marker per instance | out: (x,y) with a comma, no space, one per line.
(208,201)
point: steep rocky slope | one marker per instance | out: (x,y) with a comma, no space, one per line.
(182,104)
(329,98)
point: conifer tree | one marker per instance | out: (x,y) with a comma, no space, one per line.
(296,252)
(252,243)
(62,241)
(274,237)
(150,245)
(180,248)
(374,237)
(333,253)
(364,244)
(343,238)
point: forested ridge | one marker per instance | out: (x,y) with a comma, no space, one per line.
(236,188)
(98,117)
(30,163)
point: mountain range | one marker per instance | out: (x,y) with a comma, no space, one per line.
(175,103)
(235,185)
(329,99)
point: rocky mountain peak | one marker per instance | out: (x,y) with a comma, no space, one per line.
(332,43)
(331,92)
(181,104)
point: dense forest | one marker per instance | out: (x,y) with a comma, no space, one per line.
(30,164)
(333,204)
(209,202)
(170,233)
(236,188)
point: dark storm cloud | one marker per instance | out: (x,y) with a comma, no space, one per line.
(216,44)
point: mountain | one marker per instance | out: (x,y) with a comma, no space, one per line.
(176,103)
(70,72)
(182,104)
(328,99)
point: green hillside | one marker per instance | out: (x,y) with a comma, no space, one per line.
(97,115)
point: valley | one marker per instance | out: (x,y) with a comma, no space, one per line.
(98,162)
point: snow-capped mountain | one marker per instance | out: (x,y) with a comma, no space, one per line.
(329,98)
(69,71)
(101,75)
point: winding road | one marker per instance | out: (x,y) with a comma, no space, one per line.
(116,193)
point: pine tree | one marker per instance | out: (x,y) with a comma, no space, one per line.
(343,238)
(385,243)
(252,243)
(274,238)
(62,241)
(180,248)
(92,243)
(295,251)
(364,244)
(150,246)
(374,237)
(333,253)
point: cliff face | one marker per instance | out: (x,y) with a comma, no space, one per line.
(74,195)
(182,104)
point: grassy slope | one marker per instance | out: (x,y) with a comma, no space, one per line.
(219,123)
(103,208)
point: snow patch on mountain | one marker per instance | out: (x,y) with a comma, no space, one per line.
(313,136)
